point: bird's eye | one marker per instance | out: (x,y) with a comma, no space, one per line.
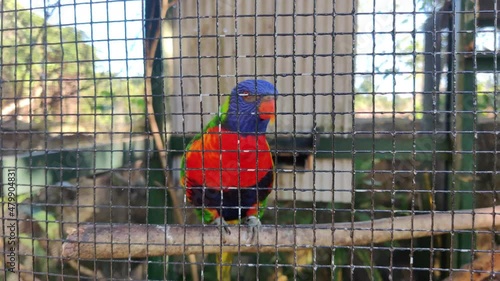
(248,97)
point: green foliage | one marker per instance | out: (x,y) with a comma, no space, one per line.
(60,60)
(39,238)
(34,52)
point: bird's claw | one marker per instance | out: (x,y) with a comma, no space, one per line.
(222,223)
(254,225)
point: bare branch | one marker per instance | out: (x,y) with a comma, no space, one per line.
(136,241)
(151,45)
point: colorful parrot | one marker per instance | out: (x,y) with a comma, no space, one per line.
(227,170)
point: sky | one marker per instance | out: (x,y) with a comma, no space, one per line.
(383,34)
(104,24)
(114,27)
(390,39)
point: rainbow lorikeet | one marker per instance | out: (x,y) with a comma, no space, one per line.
(227,170)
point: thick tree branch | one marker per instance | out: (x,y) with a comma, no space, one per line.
(136,241)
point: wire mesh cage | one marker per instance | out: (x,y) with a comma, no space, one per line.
(245,140)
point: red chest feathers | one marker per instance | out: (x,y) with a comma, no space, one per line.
(222,159)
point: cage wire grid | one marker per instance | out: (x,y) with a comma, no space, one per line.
(382,154)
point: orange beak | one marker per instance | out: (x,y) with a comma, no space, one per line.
(266,109)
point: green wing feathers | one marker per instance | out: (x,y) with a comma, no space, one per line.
(218,119)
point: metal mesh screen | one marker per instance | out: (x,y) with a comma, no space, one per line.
(359,140)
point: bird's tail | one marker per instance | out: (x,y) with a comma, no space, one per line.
(223,269)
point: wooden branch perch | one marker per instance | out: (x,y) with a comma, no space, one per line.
(103,241)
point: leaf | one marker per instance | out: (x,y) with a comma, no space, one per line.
(105,94)
(365,257)
(46,220)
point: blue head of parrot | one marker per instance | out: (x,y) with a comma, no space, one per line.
(251,107)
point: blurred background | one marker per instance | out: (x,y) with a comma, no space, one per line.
(386,108)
